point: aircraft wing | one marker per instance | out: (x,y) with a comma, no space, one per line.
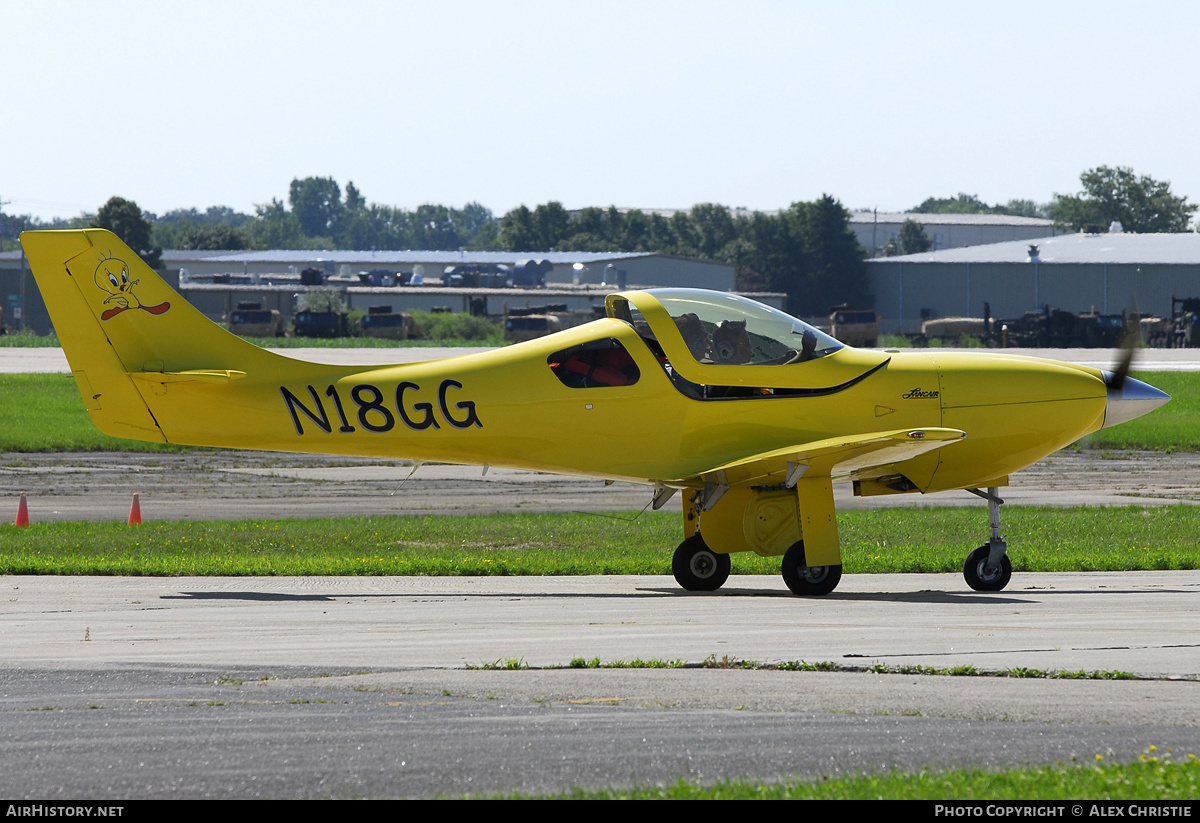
(835,456)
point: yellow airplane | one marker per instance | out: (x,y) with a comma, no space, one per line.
(749,412)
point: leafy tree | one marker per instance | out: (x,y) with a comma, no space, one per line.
(214,236)
(1024,208)
(317,204)
(661,236)
(1139,204)
(11,226)
(124,219)
(971,204)
(323,300)
(714,228)
(685,234)
(912,240)
(962,204)
(432,227)
(354,198)
(834,271)
(486,237)
(473,218)
(217,227)
(277,228)
(631,230)
(748,280)
(516,230)
(591,220)
(550,223)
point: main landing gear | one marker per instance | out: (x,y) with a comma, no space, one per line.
(698,568)
(988,568)
(806,580)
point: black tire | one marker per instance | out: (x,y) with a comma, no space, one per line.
(698,568)
(976,576)
(805,580)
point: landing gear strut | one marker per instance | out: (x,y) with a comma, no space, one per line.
(988,568)
(698,568)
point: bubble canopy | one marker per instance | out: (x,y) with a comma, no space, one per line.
(724,329)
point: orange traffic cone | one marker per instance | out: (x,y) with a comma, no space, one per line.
(22,512)
(135,511)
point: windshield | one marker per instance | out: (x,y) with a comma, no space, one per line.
(725,329)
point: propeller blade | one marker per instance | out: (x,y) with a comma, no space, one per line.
(1116,378)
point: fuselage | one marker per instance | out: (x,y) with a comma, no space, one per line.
(509,407)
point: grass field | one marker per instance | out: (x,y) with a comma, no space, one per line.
(44,413)
(879,541)
(1157,775)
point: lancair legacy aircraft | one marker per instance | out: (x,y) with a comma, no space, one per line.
(749,412)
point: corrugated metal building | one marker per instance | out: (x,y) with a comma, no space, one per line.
(947,231)
(638,268)
(19,291)
(1074,272)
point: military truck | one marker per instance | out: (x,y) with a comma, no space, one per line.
(531,322)
(308,323)
(252,320)
(381,321)
(854,327)
(1185,323)
(1057,329)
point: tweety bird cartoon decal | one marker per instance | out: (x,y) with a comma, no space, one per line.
(112,277)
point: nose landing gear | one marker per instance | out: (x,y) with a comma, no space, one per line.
(988,568)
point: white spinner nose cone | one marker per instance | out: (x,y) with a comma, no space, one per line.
(1131,401)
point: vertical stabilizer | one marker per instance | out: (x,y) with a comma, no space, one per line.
(116,317)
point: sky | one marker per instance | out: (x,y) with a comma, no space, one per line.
(640,104)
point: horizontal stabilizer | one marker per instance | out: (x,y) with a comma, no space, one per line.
(191,376)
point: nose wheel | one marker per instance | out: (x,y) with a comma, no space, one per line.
(698,568)
(982,574)
(988,568)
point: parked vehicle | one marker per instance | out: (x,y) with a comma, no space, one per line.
(309,323)
(854,327)
(252,320)
(381,321)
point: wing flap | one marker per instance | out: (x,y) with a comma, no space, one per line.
(835,456)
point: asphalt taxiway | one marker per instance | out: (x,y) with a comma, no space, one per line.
(417,687)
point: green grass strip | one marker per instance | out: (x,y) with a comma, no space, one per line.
(1173,427)
(1153,776)
(881,541)
(45,413)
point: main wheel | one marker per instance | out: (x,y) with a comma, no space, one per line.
(806,580)
(978,576)
(697,567)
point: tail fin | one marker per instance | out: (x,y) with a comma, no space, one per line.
(120,322)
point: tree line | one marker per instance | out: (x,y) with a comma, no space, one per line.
(806,250)
(1110,196)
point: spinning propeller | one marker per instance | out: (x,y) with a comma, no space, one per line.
(1129,398)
